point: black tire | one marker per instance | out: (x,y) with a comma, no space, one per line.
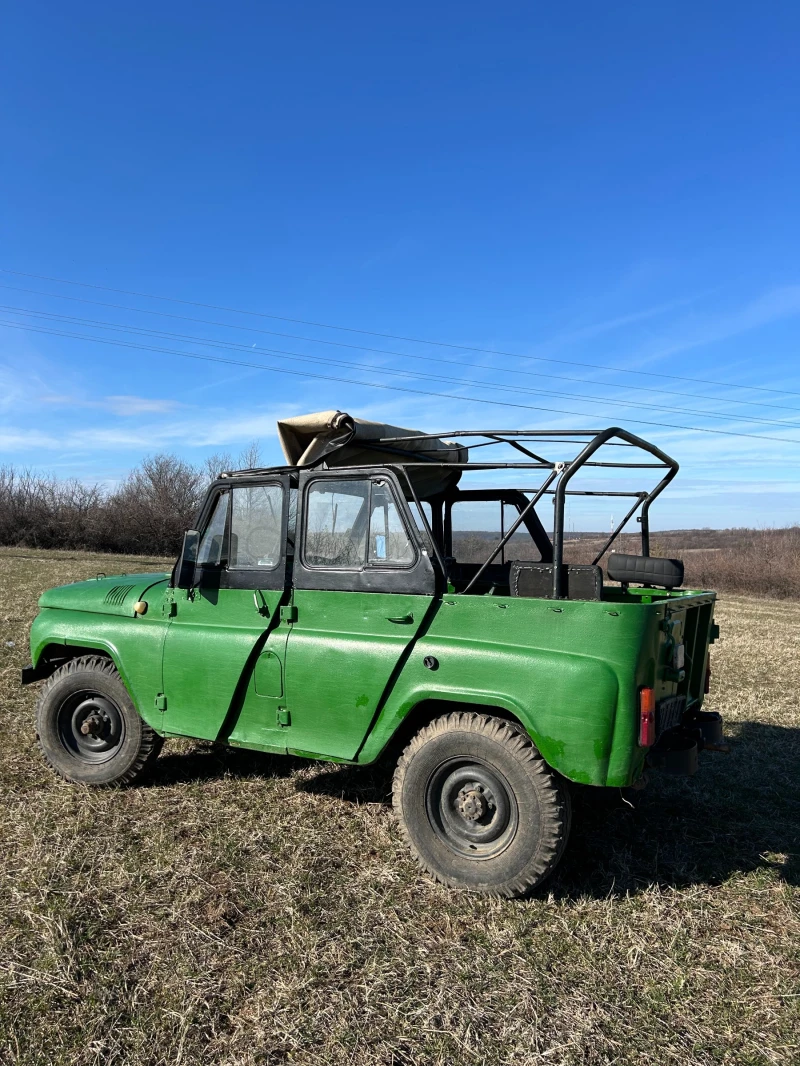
(114,747)
(479,807)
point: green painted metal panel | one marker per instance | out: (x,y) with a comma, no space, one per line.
(79,614)
(212,644)
(259,722)
(342,652)
(268,674)
(569,671)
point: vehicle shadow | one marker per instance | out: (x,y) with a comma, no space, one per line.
(741,812)
(209,762)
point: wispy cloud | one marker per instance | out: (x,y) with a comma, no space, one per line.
(116,405)
(596,329)
(772,306)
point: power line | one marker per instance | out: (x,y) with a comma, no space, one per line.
(382,386)
(237,346)
(396,337)
(427,358)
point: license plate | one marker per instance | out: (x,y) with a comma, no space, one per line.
(669,713)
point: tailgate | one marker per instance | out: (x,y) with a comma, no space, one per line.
(683,660)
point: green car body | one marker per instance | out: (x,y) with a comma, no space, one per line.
(327,673)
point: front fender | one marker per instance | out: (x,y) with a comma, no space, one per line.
(134,644)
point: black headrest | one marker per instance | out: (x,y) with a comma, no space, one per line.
(645,570)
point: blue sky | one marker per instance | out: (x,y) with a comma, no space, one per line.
(608,184)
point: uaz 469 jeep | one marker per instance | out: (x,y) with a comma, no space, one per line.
(357,602)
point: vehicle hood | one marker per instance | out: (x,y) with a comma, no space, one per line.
(107,595)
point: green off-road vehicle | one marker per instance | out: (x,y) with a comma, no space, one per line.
(363,601)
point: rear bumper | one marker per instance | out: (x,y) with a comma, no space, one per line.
(676,750)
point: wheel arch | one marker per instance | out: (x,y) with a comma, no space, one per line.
(55,654)
(429,708)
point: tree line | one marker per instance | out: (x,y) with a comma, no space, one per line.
(146,514)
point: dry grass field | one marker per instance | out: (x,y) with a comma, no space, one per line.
(243,909)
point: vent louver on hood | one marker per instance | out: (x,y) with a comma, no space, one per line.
(117,595)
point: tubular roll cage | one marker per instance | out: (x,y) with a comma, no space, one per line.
(558,472)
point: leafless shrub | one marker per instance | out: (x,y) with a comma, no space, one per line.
(154,505)
(44,512)
(146,514)
(149,511)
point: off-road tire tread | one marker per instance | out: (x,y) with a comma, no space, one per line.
(150,744)
(556,807)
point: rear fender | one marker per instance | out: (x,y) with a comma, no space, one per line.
(575,708)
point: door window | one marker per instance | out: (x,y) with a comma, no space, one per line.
(351,524)
(212,546)
(256,527)
(336,523)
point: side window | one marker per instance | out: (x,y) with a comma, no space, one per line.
(479,525)
(351,524)
(389,543)
(212,544)
(256,527)
(336,523)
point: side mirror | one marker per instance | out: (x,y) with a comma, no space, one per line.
(184,570)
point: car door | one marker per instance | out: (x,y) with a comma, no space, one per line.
(225,644)
(362,588)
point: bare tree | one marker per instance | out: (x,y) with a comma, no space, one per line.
(217,464)
(250,457)
(155,504)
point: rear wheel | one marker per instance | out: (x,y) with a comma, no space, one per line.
(88,728)
(479,806)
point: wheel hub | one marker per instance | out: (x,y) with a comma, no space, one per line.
(94,725)
(472,803)
(91,726)
(471,807)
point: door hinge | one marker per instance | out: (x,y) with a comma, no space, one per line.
(161,702)
(289,613)
(284,718)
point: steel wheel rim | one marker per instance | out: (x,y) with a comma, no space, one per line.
(91,727)
(471,808)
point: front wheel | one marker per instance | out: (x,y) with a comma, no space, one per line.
(479,806)
(88,727)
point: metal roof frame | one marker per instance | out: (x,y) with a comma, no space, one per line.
(556,482)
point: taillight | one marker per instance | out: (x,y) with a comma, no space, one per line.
(707,686)
(647,717)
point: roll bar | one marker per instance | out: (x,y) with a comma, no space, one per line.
(556,483)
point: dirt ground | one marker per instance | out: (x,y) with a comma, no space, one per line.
(242,909)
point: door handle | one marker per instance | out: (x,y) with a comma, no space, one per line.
(403,619)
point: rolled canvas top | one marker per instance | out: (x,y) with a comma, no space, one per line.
(342,440)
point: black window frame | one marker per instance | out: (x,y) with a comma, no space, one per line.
(222,576)
(506,497)
(417,577)
(372,480)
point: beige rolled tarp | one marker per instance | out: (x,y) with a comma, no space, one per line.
(342,440)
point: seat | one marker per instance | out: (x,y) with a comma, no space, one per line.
(578,581)
(645,570)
